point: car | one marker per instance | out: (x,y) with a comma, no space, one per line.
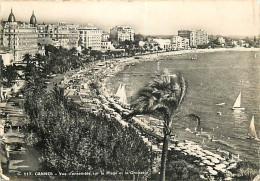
(47,82)
(20,95)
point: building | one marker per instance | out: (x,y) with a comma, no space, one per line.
(234,43)
(105,36)
(18,37)
(6,57)
(201,37)
(122,33)
(196,37)
(107,45)
(164,44)
(61,34)
(180,43)
(221,41)
(90,37)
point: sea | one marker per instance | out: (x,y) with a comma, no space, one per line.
(212,78)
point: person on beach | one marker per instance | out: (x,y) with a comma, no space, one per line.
(230,156)
(201,130)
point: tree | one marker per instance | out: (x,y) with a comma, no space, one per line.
(39,59)
(162,98)
(73,51)
(27,58)
(10,73)
(85,51)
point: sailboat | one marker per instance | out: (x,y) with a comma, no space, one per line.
(237,105)
(121,93)
(123,98)
(252,131)
(118,90)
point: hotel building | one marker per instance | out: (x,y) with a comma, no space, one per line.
(180,43)
(18,37)
(122,33)
(90,37)
(61,34)
(196,37)
(164,44)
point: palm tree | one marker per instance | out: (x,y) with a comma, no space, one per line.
(162,98)
(38,59)
(27,58)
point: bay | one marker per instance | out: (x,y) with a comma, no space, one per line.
(212,78)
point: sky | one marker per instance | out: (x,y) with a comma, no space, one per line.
(153,17)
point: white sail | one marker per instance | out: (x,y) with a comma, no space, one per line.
(119,90)
(122,97)
(238,101)
(252,130)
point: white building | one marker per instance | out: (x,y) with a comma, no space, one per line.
(221,40)
(107,45)
(105,36)
(196,37)
(90,37)
(61,34)
(20,38)
(164,44)
(122,33)
(6,57)
(180,43)
(235,43)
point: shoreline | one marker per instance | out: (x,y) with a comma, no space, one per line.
(214,151)
(116,65)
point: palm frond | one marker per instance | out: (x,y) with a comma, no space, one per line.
(195,118)
(183,86)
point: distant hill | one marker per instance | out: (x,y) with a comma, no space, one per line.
(159,36)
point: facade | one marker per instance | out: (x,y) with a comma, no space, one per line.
(19,38)
(61,34)
(122,33)
(180,43)
(235,43)
(6,57)
(196,37)
(221,41)
(201,37)
(164,44)
(105,36)
(107,45)
(90,37)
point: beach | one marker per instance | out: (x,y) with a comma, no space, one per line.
(207,76)
(110,73)
(204,139)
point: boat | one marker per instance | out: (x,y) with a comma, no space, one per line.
(252,131)
(237,104)
(118,90)
(219,113)
(220,104)
(121,93)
